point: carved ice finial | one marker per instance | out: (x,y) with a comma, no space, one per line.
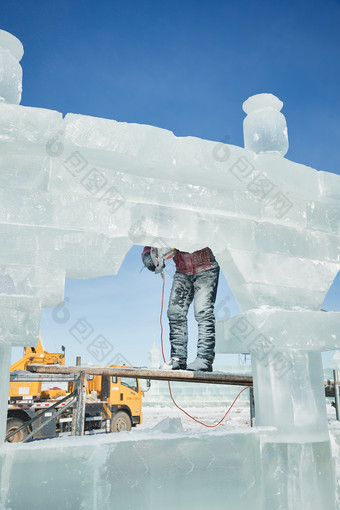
(11,52)
(265,128)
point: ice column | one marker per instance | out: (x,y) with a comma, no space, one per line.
(289,382)
(27,280)
(285,331)
(11,52)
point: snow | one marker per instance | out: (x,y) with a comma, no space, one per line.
(239,416)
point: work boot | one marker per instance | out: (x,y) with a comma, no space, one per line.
(201,365)
(174,364)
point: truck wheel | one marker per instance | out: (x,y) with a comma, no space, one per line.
(120,421)
(12,425)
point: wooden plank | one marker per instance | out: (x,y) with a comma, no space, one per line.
(146,373)
(78,417)
(35,377)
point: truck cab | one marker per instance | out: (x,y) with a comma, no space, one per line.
(121,398)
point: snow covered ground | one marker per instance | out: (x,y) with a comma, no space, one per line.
(238,416)
(330,412)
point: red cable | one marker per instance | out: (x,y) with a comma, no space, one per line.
(172,398)
(161,316)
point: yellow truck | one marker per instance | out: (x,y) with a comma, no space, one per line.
(113,404)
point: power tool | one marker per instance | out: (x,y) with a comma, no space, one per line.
(160,256)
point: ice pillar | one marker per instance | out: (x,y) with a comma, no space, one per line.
(290,395)
(285,344)
(289,390)
(11,52)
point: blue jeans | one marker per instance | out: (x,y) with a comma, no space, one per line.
(200,288)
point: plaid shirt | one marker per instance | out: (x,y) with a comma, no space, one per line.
(191,263)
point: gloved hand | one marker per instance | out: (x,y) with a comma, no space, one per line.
(148,262)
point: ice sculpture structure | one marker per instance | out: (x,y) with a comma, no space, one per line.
(76,194)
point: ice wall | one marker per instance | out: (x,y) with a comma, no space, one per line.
(78,192)
(154,470)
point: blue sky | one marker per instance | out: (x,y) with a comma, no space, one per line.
(186,66)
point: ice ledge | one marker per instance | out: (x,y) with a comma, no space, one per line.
(283,330)
(139,470)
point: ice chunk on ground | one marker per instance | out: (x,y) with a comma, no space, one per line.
(169,426)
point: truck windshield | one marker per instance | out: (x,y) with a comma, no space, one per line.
(130,383)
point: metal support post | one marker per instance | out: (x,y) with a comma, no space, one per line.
(78,418)
(252,406)
(336,393)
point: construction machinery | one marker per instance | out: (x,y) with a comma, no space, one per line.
(112,404)
(33,390)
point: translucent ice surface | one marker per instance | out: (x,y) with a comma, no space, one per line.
(23,171)
(31,127)
(148,471)
(20,319)
(75,194)
(10,43)
(21,280)
(11,78)
(296,282)
(81,254)
(152,470)
(11,52)
(290,470)
(265,128)
(282,329)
